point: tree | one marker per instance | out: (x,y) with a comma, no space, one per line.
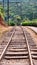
(18,18)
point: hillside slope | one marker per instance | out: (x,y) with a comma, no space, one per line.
(2,21)
(3,26)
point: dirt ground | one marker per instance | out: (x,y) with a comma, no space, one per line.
(33,34)
(4,29)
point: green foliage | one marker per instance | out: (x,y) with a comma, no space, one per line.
(29,23)
(11,23)
(20,11)
(18,19)
(2,12)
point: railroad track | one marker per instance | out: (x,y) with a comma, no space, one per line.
(20,49)
(5,42)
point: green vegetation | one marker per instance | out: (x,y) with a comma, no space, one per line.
(18,19)
(2,12)
(22,9)
(11,23)
(20,13)
(29,23)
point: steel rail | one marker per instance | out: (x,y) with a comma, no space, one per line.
(30,57)
(6,46)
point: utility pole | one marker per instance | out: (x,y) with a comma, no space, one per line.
(3,8)
(8,11)
(3,4)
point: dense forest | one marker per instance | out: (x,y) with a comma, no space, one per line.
(20,10)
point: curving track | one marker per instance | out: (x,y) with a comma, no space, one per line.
(19,49)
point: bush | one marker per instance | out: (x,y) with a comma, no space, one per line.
(11,23)
(30,23)
(2,12)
